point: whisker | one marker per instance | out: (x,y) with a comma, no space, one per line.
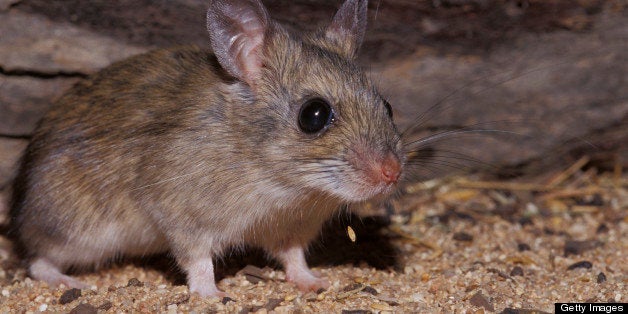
(450,134)
(429,113)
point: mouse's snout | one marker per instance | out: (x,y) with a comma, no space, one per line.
(378,168)
(390,169)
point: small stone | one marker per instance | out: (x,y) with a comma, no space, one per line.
(84,308)
(179,298)
(134,282)
(581,264)
(601,277)
(70,295)
(479,300)
(352,287)
(498,272)
(516,271)
(290,297)
(310,296)
(272,304)
(249,309)
(526,221)
(380,306)
(371,290)
(356,312)
(172,308)
(105,306)
(602,228)
(226,300)
(253,274)
(523,247)
(463,236)
(578,247)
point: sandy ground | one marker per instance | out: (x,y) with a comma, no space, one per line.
(458,245)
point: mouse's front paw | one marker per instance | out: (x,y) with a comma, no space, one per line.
(313,285)
(306,281)
(208,290)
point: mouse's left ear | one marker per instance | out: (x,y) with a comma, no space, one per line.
(237,31)
(348,27)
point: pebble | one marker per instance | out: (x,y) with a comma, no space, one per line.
(272,304)
(70,295)
(172,309)
(84,308)
(105,306)
(356,312)
(578,247)
(226,300)
(480,300)
(581,264)
(380,306)
(371,290)
(523,247)
(134,282)
(463,236)
(602,228)
(516,271)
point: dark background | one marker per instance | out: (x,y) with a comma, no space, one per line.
(552,74)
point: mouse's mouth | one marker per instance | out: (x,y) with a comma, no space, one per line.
(363,191)
(368,176)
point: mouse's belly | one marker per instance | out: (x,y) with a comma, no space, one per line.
(297,225)
(106,241)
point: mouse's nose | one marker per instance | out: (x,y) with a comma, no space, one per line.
(390,169)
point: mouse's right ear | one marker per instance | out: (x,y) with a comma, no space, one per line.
(237,29)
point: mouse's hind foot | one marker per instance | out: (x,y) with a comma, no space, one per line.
(44,270)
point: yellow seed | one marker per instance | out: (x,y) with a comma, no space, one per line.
(351,233)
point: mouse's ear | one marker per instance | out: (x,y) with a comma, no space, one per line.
(237,29)
(348,27)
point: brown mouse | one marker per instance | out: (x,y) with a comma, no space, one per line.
(257,142)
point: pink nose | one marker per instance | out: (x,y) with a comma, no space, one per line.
(390,169)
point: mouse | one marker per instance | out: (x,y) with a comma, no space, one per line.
(257,141)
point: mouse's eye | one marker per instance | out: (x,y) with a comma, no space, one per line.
(388,108)
(315,115)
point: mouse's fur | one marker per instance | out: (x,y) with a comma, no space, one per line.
(190,151)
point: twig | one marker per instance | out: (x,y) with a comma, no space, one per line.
(495,185)
(561,177)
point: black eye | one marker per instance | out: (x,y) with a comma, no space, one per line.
(388,108)
(315,115)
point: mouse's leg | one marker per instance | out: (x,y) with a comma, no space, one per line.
(200,275)
(43,269)
(297,272)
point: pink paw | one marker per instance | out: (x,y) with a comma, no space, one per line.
(208,290)
(313,285)
(306,281)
